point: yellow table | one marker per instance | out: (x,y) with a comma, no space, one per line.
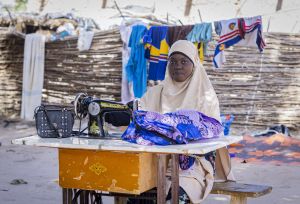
(118,166)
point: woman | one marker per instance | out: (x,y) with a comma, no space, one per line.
(186,86)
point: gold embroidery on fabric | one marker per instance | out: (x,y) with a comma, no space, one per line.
(97,168)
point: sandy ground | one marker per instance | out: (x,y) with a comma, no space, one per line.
(39,168)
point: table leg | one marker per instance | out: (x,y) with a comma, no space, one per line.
(120,200)
(161,179)
(81,197)
(175,178)
(65,196)
(86,197)
(69,196)
(238,200)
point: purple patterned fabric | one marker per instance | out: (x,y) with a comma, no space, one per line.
(174,128)
(179,127)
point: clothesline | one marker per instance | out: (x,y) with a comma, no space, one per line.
(147,47)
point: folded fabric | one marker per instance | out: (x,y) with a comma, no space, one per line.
(178,127)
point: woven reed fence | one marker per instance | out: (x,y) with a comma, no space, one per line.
(258,89)
(11,66)
(96,72)
(261,89)
(67,71)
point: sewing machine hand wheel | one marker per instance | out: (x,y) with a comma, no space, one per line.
(80,112)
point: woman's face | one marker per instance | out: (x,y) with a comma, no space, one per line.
(180,67)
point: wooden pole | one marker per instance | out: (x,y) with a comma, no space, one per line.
(175,178)
(104,2)
(200,15)
(279,5)
(42,5)
(167,17)
(13,21)
(269,24)
(188,6)
(161,179)
(294,26)
(119,10)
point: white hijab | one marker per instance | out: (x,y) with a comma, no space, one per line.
(196,93)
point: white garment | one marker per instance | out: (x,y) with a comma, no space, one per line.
(230,36)
(197,181)
(33,74)
(127,89)
(85,39)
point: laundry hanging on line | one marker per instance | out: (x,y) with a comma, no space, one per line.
(245,32)
(157,51)
(136,67)
(156,41)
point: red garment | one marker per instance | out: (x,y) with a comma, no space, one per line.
(242,27)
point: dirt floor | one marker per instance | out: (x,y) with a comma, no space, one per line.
(29,174)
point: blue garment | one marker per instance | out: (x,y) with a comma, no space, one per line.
(136,70)
(201,33)
(218,27)
(156,41)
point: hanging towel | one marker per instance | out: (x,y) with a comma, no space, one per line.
(241,32)
(33,74)
(201,33)
(200,36)
(178,33)
(136,70)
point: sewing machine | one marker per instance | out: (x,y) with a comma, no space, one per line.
(100,112)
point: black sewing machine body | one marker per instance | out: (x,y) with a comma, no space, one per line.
(100,112)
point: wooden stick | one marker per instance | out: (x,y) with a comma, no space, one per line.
(119,10)
(161,179)
(200,15)
(175,178)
